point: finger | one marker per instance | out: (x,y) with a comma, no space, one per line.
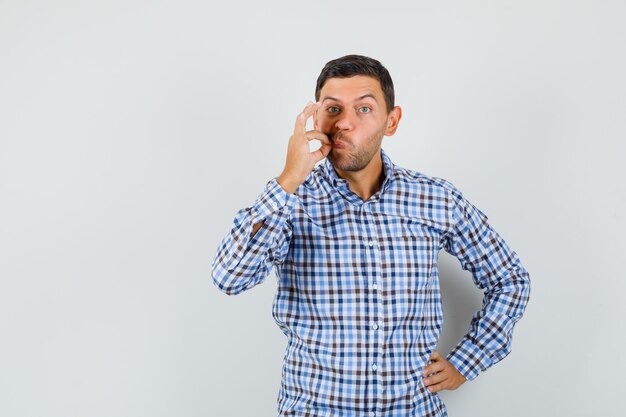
(434,368)
(318,156)
(435,363)
(299,127)
(323,150)
(435,379)
(321,153)
(308,111)
(317,135)
(437,387)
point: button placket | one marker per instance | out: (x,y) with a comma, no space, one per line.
(372,248)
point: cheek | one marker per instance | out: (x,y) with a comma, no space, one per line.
(371,125)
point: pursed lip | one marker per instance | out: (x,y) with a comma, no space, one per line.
(337,142)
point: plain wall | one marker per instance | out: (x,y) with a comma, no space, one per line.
(132,131)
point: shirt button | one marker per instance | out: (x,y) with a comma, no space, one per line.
(372,414)
(374,367)
(375,326)
(375,286)
(371,243)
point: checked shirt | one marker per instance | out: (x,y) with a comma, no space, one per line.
(358,291)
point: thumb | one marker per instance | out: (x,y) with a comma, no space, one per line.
(318,155)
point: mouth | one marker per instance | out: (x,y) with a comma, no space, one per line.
(337,142)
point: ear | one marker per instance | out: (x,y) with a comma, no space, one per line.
(393,118)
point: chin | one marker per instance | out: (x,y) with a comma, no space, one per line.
(345,164)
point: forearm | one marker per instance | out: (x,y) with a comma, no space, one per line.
(256,227)
(261,235)
(491,330)
(497,270)
(259,239)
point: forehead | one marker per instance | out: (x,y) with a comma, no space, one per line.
(351,88)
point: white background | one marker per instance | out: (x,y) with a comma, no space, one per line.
(132,131)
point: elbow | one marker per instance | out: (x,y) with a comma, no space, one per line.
(233,278)
(221,281)
(224,279)
(228,290)
(521,292)
(519,283)
(525,285)
(222,276)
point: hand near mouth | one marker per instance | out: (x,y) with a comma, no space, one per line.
(300,160)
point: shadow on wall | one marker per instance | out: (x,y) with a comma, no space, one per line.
(460,299)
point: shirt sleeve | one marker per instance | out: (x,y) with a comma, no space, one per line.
(495,269)
(242,260)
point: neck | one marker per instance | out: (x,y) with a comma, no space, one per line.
(367,181)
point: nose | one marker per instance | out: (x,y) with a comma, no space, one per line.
(346,120)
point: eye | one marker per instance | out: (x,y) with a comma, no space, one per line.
(333,109)
(364,110)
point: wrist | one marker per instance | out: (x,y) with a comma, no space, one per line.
(288,183)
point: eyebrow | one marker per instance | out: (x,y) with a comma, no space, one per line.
(359,98)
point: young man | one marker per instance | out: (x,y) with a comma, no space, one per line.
(355,243)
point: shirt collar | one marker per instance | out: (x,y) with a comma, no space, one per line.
(337,181)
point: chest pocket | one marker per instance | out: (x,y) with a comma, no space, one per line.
(410,255)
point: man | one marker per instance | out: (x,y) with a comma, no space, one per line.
(355,242)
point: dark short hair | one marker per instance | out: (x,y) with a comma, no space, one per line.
(351,65)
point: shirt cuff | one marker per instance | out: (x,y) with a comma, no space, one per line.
(273,198)
(469,360)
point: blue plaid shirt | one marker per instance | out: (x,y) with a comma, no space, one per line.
(358,292)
